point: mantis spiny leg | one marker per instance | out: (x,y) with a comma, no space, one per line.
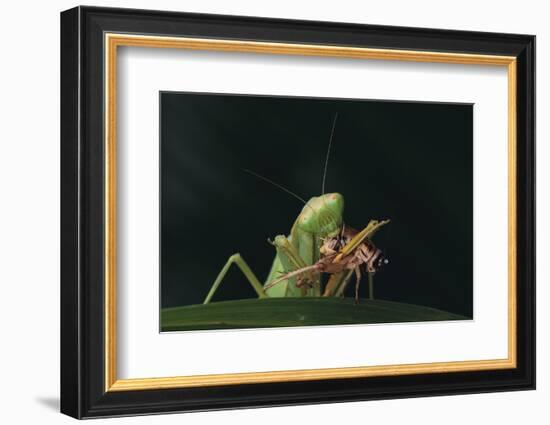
(308,249)
(247,271)
(290,261)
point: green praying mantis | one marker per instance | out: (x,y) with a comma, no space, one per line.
(319,242)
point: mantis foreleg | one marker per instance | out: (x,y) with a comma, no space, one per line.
(247,271)
(289,259)
(309,252)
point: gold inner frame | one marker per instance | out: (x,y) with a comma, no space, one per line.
(113,41)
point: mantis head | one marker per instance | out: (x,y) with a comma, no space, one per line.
(322,215)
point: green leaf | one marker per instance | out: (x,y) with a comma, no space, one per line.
(284,312)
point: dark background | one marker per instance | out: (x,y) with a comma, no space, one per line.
(411,162)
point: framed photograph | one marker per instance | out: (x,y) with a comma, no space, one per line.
(261,212)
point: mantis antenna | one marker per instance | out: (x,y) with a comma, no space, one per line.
(275,184)
(328,153)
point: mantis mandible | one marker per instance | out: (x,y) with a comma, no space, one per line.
(295,271)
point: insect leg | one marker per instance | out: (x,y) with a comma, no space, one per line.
(337,284)
(247,271)
(357,281)
(367,233)
(371,286)
(290,260)
(333,284)
(308,249)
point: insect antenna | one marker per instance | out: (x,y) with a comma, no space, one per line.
(275,184)
(328,153)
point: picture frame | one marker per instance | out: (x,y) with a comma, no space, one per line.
(91,38)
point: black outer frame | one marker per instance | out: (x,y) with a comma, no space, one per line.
(82,220)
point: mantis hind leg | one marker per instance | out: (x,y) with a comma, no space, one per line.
(245,269)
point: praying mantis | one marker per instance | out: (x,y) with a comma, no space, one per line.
(319,242)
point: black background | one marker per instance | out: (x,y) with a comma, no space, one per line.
(408,161)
